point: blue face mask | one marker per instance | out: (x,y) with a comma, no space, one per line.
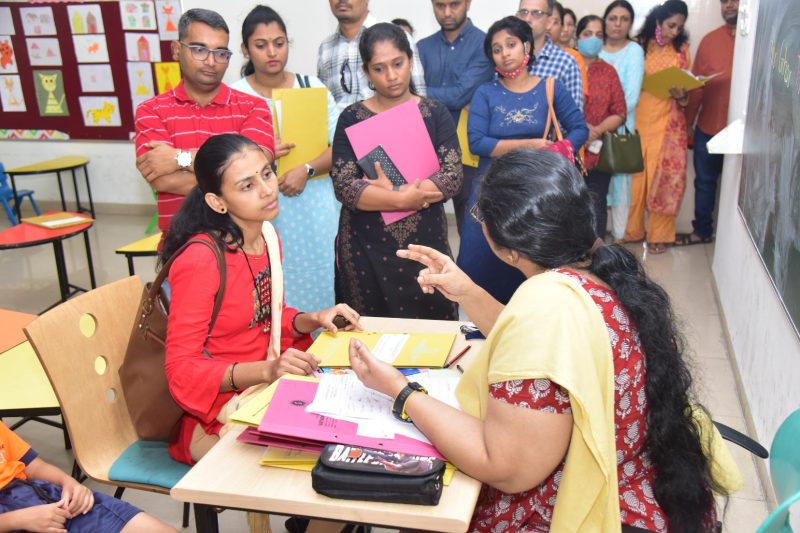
(590,46)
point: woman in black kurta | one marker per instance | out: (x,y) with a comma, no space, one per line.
(369,276)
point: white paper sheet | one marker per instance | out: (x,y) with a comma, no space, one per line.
(389,346)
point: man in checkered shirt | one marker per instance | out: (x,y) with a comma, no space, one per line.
(339,64)
(550,60)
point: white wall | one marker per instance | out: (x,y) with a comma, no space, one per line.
(766,349)
(113,174)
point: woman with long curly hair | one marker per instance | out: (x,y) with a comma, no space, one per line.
(585,358)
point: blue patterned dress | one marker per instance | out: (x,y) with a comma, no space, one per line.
(307,226)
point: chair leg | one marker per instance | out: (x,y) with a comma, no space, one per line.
(118,492)
(33,203)
(9,212)
(186,508)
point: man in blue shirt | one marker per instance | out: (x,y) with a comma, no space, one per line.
(551,61)
(455,65)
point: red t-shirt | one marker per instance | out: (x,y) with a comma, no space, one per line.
(174,118)
(195,367)
(533,510)
(605,98)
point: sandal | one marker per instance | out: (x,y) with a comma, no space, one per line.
(688,239)
(656,248)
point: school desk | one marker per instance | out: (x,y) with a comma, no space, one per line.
(229,475)
(147,247)
(25,235)
(57,166)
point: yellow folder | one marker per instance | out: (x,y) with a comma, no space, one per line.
(467,157)
(419,350)
(300,116)
(58,220)
(661,82)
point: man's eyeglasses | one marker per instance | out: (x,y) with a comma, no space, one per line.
(476,214)
(535,13)
(346,79)
(200,53)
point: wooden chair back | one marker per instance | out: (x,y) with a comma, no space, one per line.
(81,345)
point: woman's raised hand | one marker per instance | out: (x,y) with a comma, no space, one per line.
(440,272)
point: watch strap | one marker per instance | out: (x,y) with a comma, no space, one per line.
(310,170)
(399,405)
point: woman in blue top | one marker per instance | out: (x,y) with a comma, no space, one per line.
(627,57)
(309,210)
(508,113)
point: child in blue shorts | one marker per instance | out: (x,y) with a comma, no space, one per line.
(37,496)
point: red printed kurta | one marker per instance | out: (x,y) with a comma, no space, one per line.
(605,98)
(195,367)
(533,510)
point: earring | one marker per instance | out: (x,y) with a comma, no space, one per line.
(371,85)
(659,36)
(223,210)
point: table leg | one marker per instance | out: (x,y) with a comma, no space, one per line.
(88,188)
(130,264)
(61,270)
(16,199)
(89,259)
(205,519)
(61,191)
(78,207)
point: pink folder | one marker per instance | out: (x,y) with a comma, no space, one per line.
(286,417)
(403,135)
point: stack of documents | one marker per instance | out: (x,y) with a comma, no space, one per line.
(414,350)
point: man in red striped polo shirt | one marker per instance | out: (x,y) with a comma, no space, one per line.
(171,126)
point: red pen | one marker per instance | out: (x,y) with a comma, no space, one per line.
(459,356)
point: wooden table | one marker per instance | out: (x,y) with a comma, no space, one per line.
(57,166)
(25,390)
(147,247)
(25,235)
(230,476)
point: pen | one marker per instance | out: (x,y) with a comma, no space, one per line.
(459,356)
(460,369)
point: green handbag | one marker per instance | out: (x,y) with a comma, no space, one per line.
(621,153)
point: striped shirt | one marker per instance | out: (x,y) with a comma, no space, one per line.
(174,118)
(553,62)
(339,65)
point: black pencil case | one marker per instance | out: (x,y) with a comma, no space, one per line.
(357,473)
(379,155)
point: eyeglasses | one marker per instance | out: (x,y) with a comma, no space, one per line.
(476,214)
(200,53)
(346,82)
(535,13)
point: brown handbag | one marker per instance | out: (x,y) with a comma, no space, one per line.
(154,412)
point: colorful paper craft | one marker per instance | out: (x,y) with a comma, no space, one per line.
(140,82)
(142,47)
(43,52)
(6,22)
(11,94)
(8,61)
(96,78)
(168,12)
(85,19)
(91,48)
(168,75)
(303,120)
(50,93)
(137,14)
(101,111)
(37,20)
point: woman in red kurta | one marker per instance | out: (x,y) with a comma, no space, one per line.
(605,110)
(237,193)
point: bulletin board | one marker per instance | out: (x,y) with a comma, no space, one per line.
(78,70)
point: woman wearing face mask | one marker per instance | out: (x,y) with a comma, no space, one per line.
(309,210)
(627,57)
(662,126)
(604,110)
(508,113)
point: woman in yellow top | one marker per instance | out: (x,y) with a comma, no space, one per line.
(662,126)
(585,357)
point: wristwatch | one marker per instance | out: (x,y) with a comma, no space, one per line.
(399,405)
(310,170)
(184,159)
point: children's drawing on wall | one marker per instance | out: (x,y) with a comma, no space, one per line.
(167,13)
(11,94)
(100,111)
(8,62)
(143,47)
(96,78)
(168,75)
(50,93)
(7,23)
(140,79)
(85,19)
(137,14)
(37,20)
(91,48)
(44,52)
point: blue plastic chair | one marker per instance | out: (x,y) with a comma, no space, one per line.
(784,469)
(7,194)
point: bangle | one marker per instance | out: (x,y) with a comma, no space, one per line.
(230,378)
(294,325)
